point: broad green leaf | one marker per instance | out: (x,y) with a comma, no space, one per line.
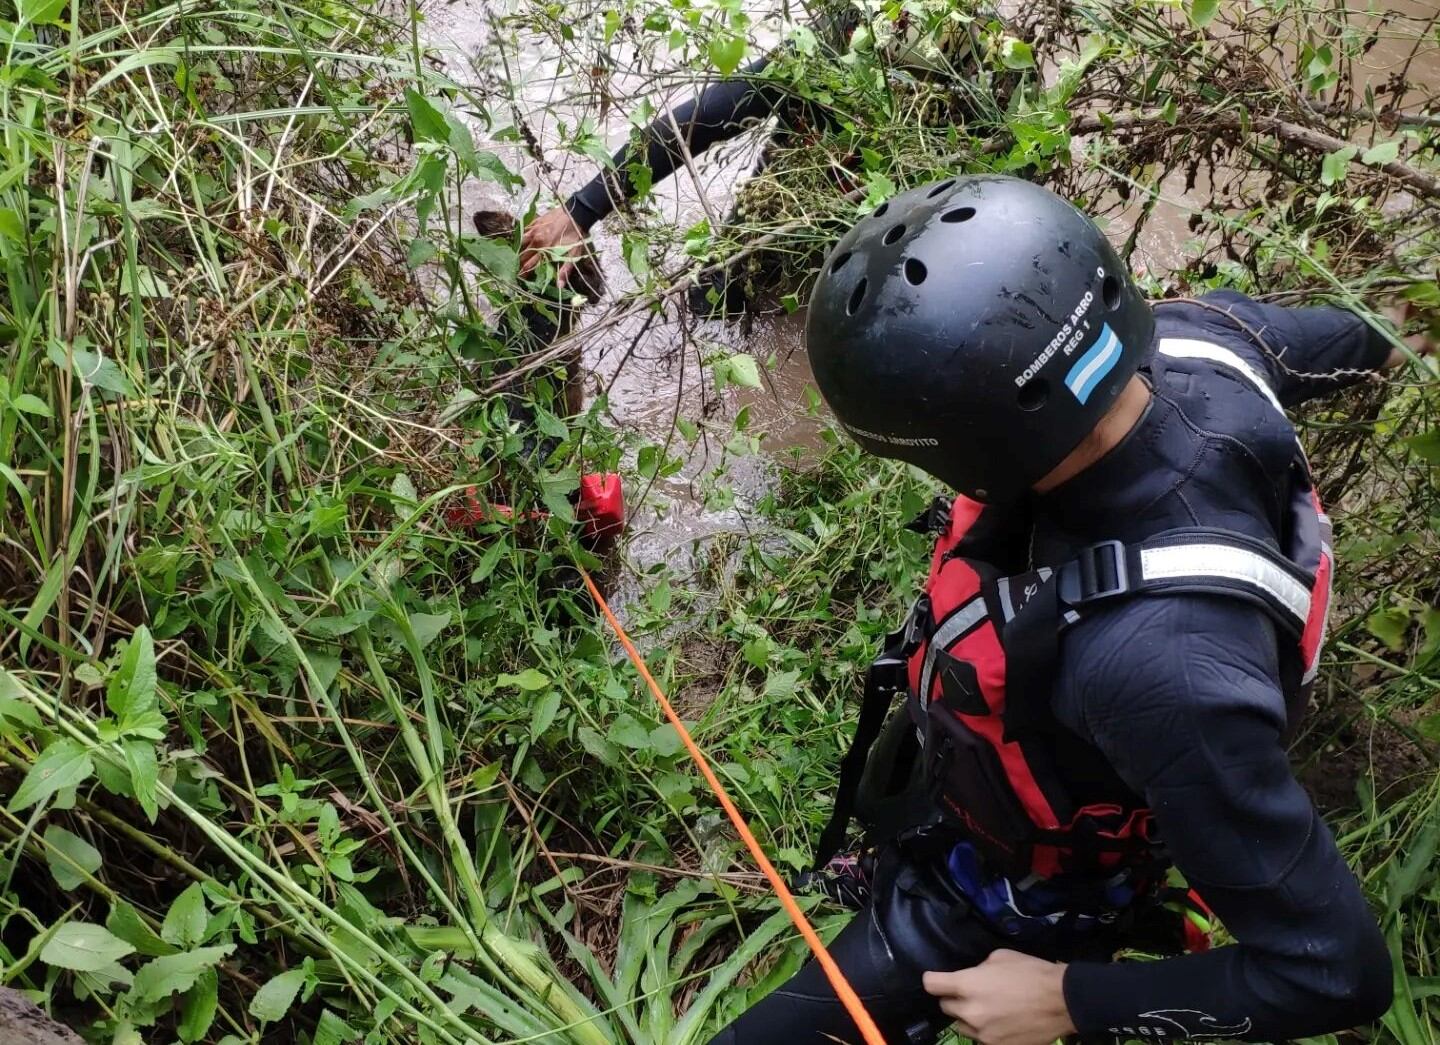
(93,368)
(727,51)
(147,284)
(11,227)
(664,740)
(461,143)
(332,1030)
(625,730)
(544,713)
(1389,626)
(126,923)
(63,764)
(144,774)
(421,252)
(744,371)
(39,12)
(529,679)
(1381,153)
(1017,54)
(14,708)
(1426,446)
(184,924)
(637,257)
(132,687)
(83,947)
(70,857)
(161,977)
(698,239)
(402,489)
(428,626)
(199,1008)
(1336,164)
(1202,12)
(493,256)
(28,404)
(426,120)
(273,1001)
(1430,623)
(555,492)
(483,779)
(488,165)
(598,746)
(488,562)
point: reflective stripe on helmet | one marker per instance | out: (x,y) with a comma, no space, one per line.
(1230,562)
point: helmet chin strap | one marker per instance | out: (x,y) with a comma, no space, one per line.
(1122,417)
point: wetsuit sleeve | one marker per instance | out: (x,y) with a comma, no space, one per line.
(720,112)
(1306,352)
(1188,710)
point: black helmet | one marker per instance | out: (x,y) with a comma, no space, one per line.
(978,327)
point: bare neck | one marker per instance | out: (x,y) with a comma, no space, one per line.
(1104,437)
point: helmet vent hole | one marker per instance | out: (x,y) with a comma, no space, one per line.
(880,210)
(894,234)
(954,217)
(937,190)
(839,263)
(856,296)
(915,272)
(1110,291)
(1033,394)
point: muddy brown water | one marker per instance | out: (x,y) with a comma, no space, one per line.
(651,372)
(654,373)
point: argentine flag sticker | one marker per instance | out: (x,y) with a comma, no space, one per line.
(1092,367)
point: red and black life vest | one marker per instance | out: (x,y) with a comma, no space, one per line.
(981,654)
(976,656)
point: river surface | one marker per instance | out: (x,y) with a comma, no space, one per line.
(653,373)
(649,373)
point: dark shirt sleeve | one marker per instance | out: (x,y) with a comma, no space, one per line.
(1188,709)
(1305,352)
(720,112)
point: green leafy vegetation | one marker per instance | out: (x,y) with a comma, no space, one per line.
(287,756)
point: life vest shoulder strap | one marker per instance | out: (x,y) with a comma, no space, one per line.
(1197,560)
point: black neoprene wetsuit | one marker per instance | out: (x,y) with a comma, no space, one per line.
(718,113)
(721,111)
(1180,696)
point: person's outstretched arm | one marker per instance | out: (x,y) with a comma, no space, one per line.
(1303,352)
(718,113)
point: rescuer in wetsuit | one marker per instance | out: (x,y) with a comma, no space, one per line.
(929,335)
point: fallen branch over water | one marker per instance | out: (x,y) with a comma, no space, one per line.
(1297,134)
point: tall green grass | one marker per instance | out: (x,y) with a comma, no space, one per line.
(287,758)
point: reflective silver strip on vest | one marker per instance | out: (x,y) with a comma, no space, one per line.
(1189,348)
(1006,606)
(961,621)
(1204,561)
(1006,590)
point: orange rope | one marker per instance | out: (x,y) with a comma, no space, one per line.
(853,1005)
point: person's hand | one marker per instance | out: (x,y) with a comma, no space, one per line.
(551,230)
(1401,313)
(1008,999)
